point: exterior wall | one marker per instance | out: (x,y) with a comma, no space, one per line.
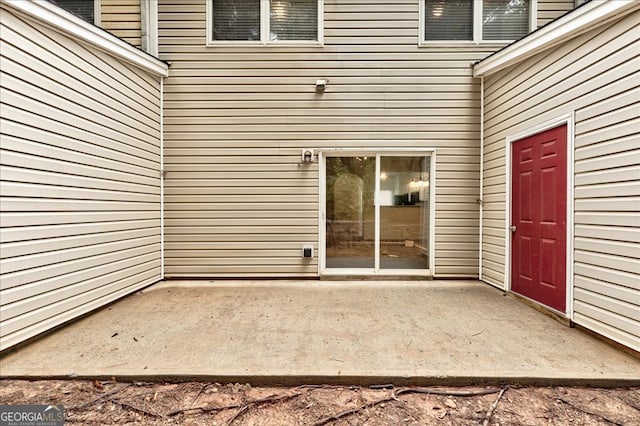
(237,201)
(122,18)
(80,182)
(595,76)
(548,10)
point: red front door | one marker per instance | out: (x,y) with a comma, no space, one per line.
(538,217)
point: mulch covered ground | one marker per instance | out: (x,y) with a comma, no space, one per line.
(195,403)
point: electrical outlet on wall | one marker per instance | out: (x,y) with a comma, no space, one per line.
(307,251)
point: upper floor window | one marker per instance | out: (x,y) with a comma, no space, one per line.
(86,9)
(264,21)
(474,20)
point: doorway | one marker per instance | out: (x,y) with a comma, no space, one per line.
(539,217)
(377,213)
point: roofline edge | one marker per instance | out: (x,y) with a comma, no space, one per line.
(564,28)
(76,27)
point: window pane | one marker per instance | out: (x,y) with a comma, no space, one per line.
(448,20)
(294,20)
(236,19)
(82,8)
(404,212)
(351,212)
(505,19)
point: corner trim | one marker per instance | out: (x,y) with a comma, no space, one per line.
(481,183)
(149,26)
(97,12)
(68,23)
(584,18)
(162,179)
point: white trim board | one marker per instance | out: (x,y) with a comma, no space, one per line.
(97,12)
(481,183)
(568,120)
(162,178)
(149,26)
(584,18)
(74,26)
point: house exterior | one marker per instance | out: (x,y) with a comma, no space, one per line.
(238,113)
(123,18)
(81,162)
(320,139)
(583,82)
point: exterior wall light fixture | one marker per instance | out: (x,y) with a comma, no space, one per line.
(308,155)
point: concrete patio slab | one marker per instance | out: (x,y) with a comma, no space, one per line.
(294,332)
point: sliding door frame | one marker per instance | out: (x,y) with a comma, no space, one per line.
(322,213)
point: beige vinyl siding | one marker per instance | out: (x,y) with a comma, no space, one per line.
(548,10)
(122,18)
(80,187)
(594,75)
(238,203)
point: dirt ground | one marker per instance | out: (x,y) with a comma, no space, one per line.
(196,403)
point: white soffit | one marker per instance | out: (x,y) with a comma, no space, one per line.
(58,18)
(580,20)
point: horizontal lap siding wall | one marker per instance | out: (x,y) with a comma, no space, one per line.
(237,200)
(79,179)
(596,76)
(548,10)
(122,18)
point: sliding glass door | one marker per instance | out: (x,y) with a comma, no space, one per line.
(377,214)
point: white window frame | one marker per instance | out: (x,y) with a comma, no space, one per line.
(477,26)
(264,30)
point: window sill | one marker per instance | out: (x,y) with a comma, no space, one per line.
(463,43)
(221,43)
